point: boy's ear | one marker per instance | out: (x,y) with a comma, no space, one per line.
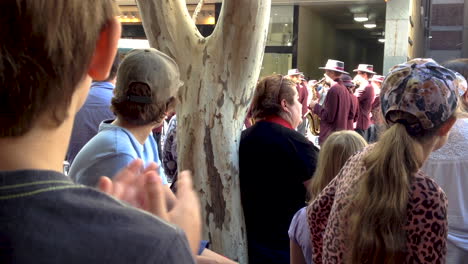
(106,48)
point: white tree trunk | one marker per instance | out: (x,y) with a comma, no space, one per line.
(220,73)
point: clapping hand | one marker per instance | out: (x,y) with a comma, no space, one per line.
(143,188)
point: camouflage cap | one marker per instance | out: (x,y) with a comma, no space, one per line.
(423,89)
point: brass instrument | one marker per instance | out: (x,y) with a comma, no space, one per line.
(315,95)
(314,120)
(314,123)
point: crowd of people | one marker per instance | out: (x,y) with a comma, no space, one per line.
(339,102)
(380,181)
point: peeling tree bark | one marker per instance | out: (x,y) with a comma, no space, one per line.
(220,73)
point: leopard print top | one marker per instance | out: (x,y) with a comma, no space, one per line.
(426,225)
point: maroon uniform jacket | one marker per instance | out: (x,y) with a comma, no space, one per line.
(365,97)
(303,95)
(354,111)
(336,111)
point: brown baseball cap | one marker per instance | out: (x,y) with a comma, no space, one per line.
(153,68)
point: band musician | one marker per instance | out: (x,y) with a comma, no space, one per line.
(337,107)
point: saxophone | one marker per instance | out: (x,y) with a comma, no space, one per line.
(314,120)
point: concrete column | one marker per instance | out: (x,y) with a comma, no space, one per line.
(397,31)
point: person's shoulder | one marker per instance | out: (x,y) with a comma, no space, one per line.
(338,88)
(335,87)
(105,140)
(300,214)
(266,135)
(117,138)
(354,166)
(426,192)
(300,139)
(109,143)
(116,225)
(261,128)
(423,183)
(298,220)
(100,93)
(102,212)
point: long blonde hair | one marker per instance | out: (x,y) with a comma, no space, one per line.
(382,193)
(334,153)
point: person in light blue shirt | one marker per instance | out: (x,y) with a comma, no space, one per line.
(95,110)
(147,82)
(113,148)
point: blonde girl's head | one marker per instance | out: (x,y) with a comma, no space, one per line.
(334,153)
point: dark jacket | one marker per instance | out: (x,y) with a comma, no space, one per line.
(274,163)
(365,97)
(303,95)
(354,111)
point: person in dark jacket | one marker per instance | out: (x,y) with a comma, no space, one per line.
(365,95)
(349,84)
(275,162)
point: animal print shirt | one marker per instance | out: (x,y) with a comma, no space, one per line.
(426,225)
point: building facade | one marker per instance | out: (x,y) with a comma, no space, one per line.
(305,33)
(448,29)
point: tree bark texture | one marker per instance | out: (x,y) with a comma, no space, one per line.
(220,73)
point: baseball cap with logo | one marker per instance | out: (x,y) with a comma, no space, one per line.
(150,67)
(423,89)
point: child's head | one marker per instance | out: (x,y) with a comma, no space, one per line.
(147,83)
(46,51)
(336,150)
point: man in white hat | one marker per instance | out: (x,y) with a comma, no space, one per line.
(377,121)
(337,107)
(296,76)
(365,95)
(349,84)
(376,83)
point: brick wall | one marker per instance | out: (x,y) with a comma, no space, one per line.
(446,30)
(447,15)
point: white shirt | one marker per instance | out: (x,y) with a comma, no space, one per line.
(448,166)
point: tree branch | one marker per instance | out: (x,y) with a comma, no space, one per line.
(197,10)
(170,24)
(243,42)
